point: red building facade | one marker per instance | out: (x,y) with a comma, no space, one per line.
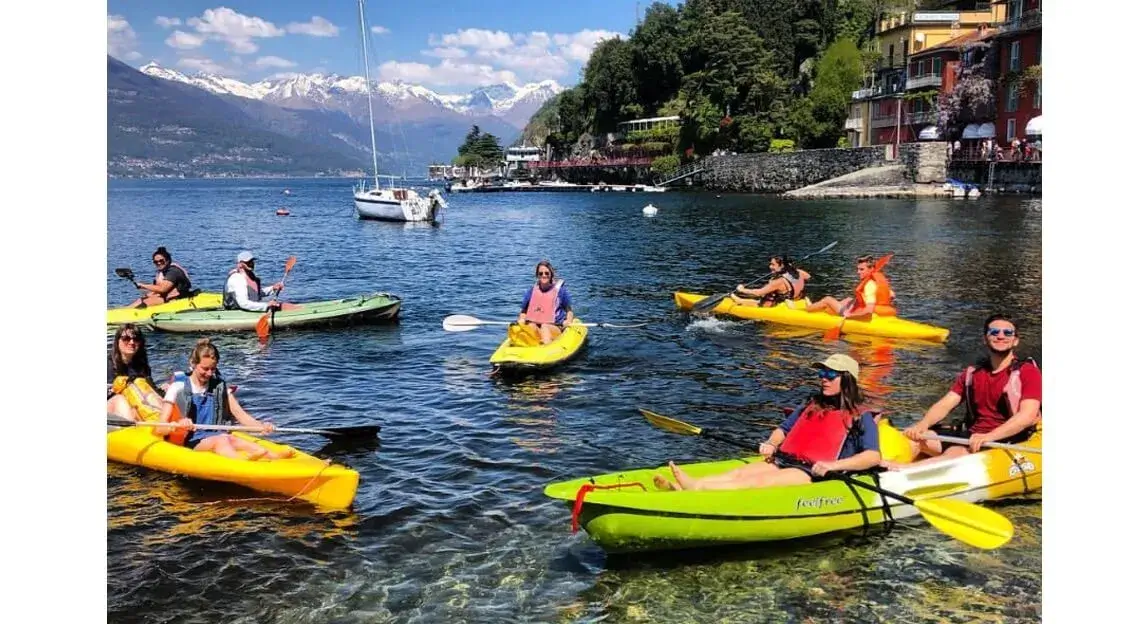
(1019,84)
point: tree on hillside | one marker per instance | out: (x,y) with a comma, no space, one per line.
(657,44)
(818,119)
(610,85)
(479,149)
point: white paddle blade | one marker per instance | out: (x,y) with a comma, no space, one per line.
(460,323)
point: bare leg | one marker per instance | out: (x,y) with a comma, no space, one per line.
(933,450)
(549,333)
(828,302)
(258,451)
(754,475)
(744,302)
(120,407)
(290,306)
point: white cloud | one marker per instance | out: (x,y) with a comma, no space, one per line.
(184,40)
(121,39)
(316,27)
(478,38)
(446,53)
(273,61)
(204,65)
(236,29)
(168,22)
(379,30)
(533,55)
(448,73)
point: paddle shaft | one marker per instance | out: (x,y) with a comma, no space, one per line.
(706,303)
(225,428)
(998,445)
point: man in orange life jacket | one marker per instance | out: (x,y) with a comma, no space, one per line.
(873,295)
(547,306)
(171,281)
(1002,394)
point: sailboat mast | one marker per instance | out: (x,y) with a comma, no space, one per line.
(369,97)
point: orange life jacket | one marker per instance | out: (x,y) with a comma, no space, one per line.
(543,305)
(818,435)
(883,301)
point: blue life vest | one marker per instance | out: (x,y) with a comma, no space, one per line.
(208,408)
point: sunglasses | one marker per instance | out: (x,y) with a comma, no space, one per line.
(829,374)
(159,262)
(544,274)
(994,331)
(130,338)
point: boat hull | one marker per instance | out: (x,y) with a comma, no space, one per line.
(516,354)
(373,308)
(201,301)
(405,211)
(631,519)
(303,476)
(886,327)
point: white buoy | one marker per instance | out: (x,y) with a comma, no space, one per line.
(650,210)
(286,191)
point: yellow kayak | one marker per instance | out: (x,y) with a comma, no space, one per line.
(302,476)
(201,301)
(521,351)
(885,326)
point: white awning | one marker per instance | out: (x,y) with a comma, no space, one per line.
(1034,126)
(986,130)
(929,133)
(970,132)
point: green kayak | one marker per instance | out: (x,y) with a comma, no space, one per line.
(371,308)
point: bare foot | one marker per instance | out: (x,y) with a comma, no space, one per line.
(890,465)
(686,482)
(664,484)
(257,455)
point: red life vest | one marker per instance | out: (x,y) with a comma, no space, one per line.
(818,434)
(543,305)
(883,299)
(1013,392)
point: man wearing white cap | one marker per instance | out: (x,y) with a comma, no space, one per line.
(244,289)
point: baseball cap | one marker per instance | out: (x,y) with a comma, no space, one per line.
(245,256)
(840,362)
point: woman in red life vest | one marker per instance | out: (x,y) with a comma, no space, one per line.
(547,307)
(830,433)
(787,285)
(873,295)
(1002,396)
(171,281)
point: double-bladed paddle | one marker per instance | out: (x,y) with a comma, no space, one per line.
(266,321)
(966,522)
(334,433)
(708,303)
(463,323)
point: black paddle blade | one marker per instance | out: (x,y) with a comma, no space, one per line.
(346,433)
(704,305)
(126,274)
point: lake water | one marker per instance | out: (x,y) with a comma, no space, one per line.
(450,523)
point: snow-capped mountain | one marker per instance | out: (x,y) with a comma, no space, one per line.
(514,104)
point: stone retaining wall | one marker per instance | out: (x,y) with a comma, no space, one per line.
(786,171)
(1008,176)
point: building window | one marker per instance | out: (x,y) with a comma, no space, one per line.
(936,66)
(1012,98)
(1011,129)
(892,55)
(1016,56)
(1038,96)
(1013,10)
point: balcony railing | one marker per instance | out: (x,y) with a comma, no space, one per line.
(853,123)
(1029,20)
(928,80)
(922,117)
(883,122)
(869,92)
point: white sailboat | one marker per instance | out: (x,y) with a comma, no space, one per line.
(390,203)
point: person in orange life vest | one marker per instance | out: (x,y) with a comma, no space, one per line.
(244,291)
(873,295)
(127,358)
(171,281)
(547,306)
(1002,395)
(202,397)
(787,286)
(832,432)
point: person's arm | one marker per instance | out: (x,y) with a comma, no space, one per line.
(867,456)
(935,414)
(237,286)
(564,302)
(243,417)
(525,306)
(869,293)
(160,287)
(804,274)
(1029,408)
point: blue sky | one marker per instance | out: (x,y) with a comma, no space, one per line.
(447,45)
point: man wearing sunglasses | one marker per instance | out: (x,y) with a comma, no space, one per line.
(547,306)
(1002,395)
(244,290)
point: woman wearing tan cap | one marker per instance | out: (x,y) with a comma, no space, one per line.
(830,433)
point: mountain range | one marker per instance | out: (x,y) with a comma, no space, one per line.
(164,122)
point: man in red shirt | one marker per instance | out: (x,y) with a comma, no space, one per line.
(1005,397)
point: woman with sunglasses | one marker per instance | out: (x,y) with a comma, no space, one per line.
(830,433)
(1002,395)
(127,358)
(547,307)
(171,281)
(787,285)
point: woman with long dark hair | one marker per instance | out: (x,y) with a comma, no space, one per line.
(788,284)
(831,433)
(127,358)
